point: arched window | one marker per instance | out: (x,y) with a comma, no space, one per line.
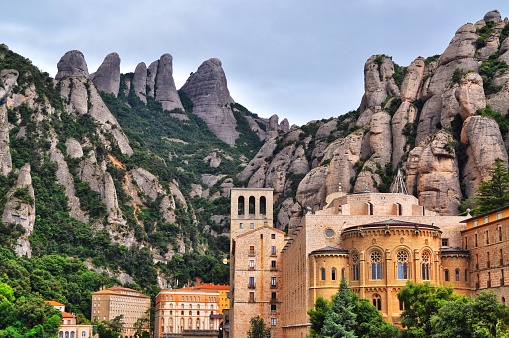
(377,301)
(263,205)
(343,273)
(61,334)
(190,323)
(72,334)
(466,275)
(240,205)
(503,300)
(446,275)
(170,321)
(251,205)
(355,266)
(197,323)
(190,313)
(425,265)
(83,334)
(402,259)
(66,334)
(333,274)
(398,209)
(322,273)
(457,275)
(376,265)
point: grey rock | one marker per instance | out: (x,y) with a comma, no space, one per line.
(72,64)
(470,95)
(412,81)
(461,46)
(107,76)
(208,90)
(21,211)
(140,82)
(73,148)
(166,92)
(151,77)
(493,16)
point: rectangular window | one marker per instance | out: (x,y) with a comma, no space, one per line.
(272,236)
(445,241)
(251,264)
(251,225)
(273,307)
(476,240)
(251,297)
(273,265)
(273,282)
(499,215)
(273,321)
(500,234)
(273,250)
(251,282)
(241,225)
(403,270)
(251,250)
(486,219)
(487,237)
(457,273)
(446,275)
(466,243)
(273,297)
(376,270)
(475,223)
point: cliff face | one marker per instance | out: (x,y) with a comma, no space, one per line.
(425,118)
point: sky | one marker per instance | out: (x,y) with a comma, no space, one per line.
(302,60)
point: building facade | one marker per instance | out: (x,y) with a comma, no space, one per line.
(255,262)
(179,311)
(377,241)
(110,303)
(69,328)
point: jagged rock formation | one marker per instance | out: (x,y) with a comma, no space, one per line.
(20,209)
(107,76)
(423,118)
(72,64)
(8,79)
(208,90)
(140,81)
(165,90)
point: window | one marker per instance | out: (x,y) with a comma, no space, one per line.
(273,265)
(501,257)
(273,297)
(499,215)
(377,301)
(273,307)
(240,205)
(457,275)
(273,321)
(376,265)
(251,205)
(322,273)
(263,205)
(343,273)
(251,264)
(355,266)
(251,225)
(273,282)
(333,274)
(466,275)
(446,275)
(402,306)
(500,234)
(370,208)
(329,233)
(272,236)
(488,262)
(241,225)
(402,259)
(487,237)
(251,250)
(486,219)
(466,243)
(273,250)
(476,223)
(398,209)
(476,240)
(445,241)
(425,265)
(251,282)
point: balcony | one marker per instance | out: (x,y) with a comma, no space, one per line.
(273,286)
(251,285)
(251,253)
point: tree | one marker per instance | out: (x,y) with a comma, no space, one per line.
(340,319)
(258,328)
(494,194)
(370,322)
(116,324)
(317,315)
(422,301)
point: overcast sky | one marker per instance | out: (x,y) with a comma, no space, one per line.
(302,60)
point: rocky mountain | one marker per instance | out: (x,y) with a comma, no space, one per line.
(442,119)
(117,169)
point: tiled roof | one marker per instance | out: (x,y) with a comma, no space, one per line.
(53,303)
(67,315)
(329,249)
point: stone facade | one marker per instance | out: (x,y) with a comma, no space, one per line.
(115,301)
(186,309)
(255,262)
(376,241)
(487,239)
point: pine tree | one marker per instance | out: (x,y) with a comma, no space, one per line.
(494,194)
(340,321)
